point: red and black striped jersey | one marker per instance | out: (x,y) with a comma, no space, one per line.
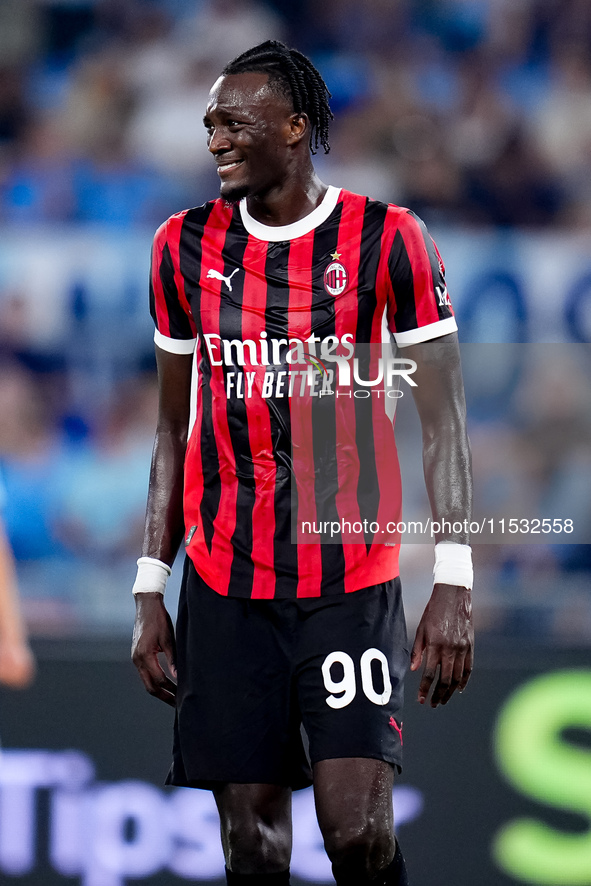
(266,455)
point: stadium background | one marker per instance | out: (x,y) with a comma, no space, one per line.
(478,116)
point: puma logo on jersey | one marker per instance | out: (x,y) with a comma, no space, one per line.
(215,275)
(443,297)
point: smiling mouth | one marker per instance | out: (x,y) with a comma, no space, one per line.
(224,168)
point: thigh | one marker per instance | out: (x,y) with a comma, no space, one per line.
(354,807)
(350,678)
(237,718)
(255,824)
(241,804)
(349,793)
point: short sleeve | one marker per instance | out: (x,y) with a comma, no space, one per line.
(419,307)
(175,327)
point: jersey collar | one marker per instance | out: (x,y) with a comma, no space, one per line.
(295,229)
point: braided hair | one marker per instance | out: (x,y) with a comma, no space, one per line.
(293,75)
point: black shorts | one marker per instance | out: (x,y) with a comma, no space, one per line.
(252,672)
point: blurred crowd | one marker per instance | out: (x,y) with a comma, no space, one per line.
(475,111)
(75,495)
(530,434)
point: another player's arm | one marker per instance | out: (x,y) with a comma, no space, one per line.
(17,665)
(445,636)
(153,631)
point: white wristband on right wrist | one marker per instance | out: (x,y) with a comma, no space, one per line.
(453,564)
(152,575)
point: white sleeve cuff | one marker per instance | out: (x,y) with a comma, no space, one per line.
(426,333)
(174,345)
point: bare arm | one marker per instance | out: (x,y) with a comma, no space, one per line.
(153,632)
(445,636)
(17,665)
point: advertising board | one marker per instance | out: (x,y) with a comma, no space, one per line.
(495,788)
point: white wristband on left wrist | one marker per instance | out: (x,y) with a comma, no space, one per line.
(453,564)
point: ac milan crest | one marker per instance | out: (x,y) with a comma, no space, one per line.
(335,278)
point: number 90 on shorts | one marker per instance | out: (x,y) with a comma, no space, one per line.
(342,691)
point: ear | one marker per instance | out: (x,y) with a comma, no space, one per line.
(298,127)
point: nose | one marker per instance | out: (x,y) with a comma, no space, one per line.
(218,140)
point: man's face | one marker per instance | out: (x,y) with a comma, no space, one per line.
(249,133)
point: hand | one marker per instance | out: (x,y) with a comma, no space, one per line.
(17,665)
(153,633)
(445,637)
